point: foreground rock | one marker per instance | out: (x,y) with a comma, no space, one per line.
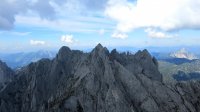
(97,82)
(6,75)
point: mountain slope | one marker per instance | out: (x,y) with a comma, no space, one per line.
(185,71)
(96,82)
(6,75)
(183,53)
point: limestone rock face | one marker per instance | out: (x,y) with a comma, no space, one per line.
(6,75)
(141,62)
(99,81)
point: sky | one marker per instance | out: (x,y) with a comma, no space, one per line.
(27,25)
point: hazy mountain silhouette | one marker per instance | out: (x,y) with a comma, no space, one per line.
(17,60)
(183,53)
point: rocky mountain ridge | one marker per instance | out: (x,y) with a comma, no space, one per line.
(99,81)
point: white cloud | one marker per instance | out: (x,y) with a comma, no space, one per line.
(45,9)
(9,9)
(21,33)
(37,42)
(119,35)
(158,34)
(68,39)
(164,15)
(74,24)
(16,33)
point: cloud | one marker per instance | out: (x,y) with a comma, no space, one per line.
(21,33)
(81,5)
(165,15)
(8,10)
(158,34)
(68,39)
(119,35)
(80,24)
(45,9)
(37,42)
(15,33)
(94,4)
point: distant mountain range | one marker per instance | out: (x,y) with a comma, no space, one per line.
(181,65)
(21,59)
(178,57)
(182,72)
(183,53)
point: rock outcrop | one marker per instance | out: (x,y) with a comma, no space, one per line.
(6,75)
(100,81)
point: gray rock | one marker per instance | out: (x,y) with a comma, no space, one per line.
(6,75)
(100,81)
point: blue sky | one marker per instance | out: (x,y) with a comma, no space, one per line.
(27,25)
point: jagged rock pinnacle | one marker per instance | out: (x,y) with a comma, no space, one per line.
(64,49)
(99,50)
(99,46)
(143,54)
(113,55)
(63,52)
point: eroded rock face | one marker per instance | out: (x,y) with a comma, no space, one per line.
(141,62)
(97,82)
(6,75)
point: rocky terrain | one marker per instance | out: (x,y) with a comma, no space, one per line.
(99,81)
(6,75)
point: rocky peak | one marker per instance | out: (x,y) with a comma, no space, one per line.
(4,69)
(63,53)
(2,63)
(113,54)
(140,63)
(100,51)
(143,54)
(99,46)
(149,65)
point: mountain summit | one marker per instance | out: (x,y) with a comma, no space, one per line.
(183,53)
(99,81)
